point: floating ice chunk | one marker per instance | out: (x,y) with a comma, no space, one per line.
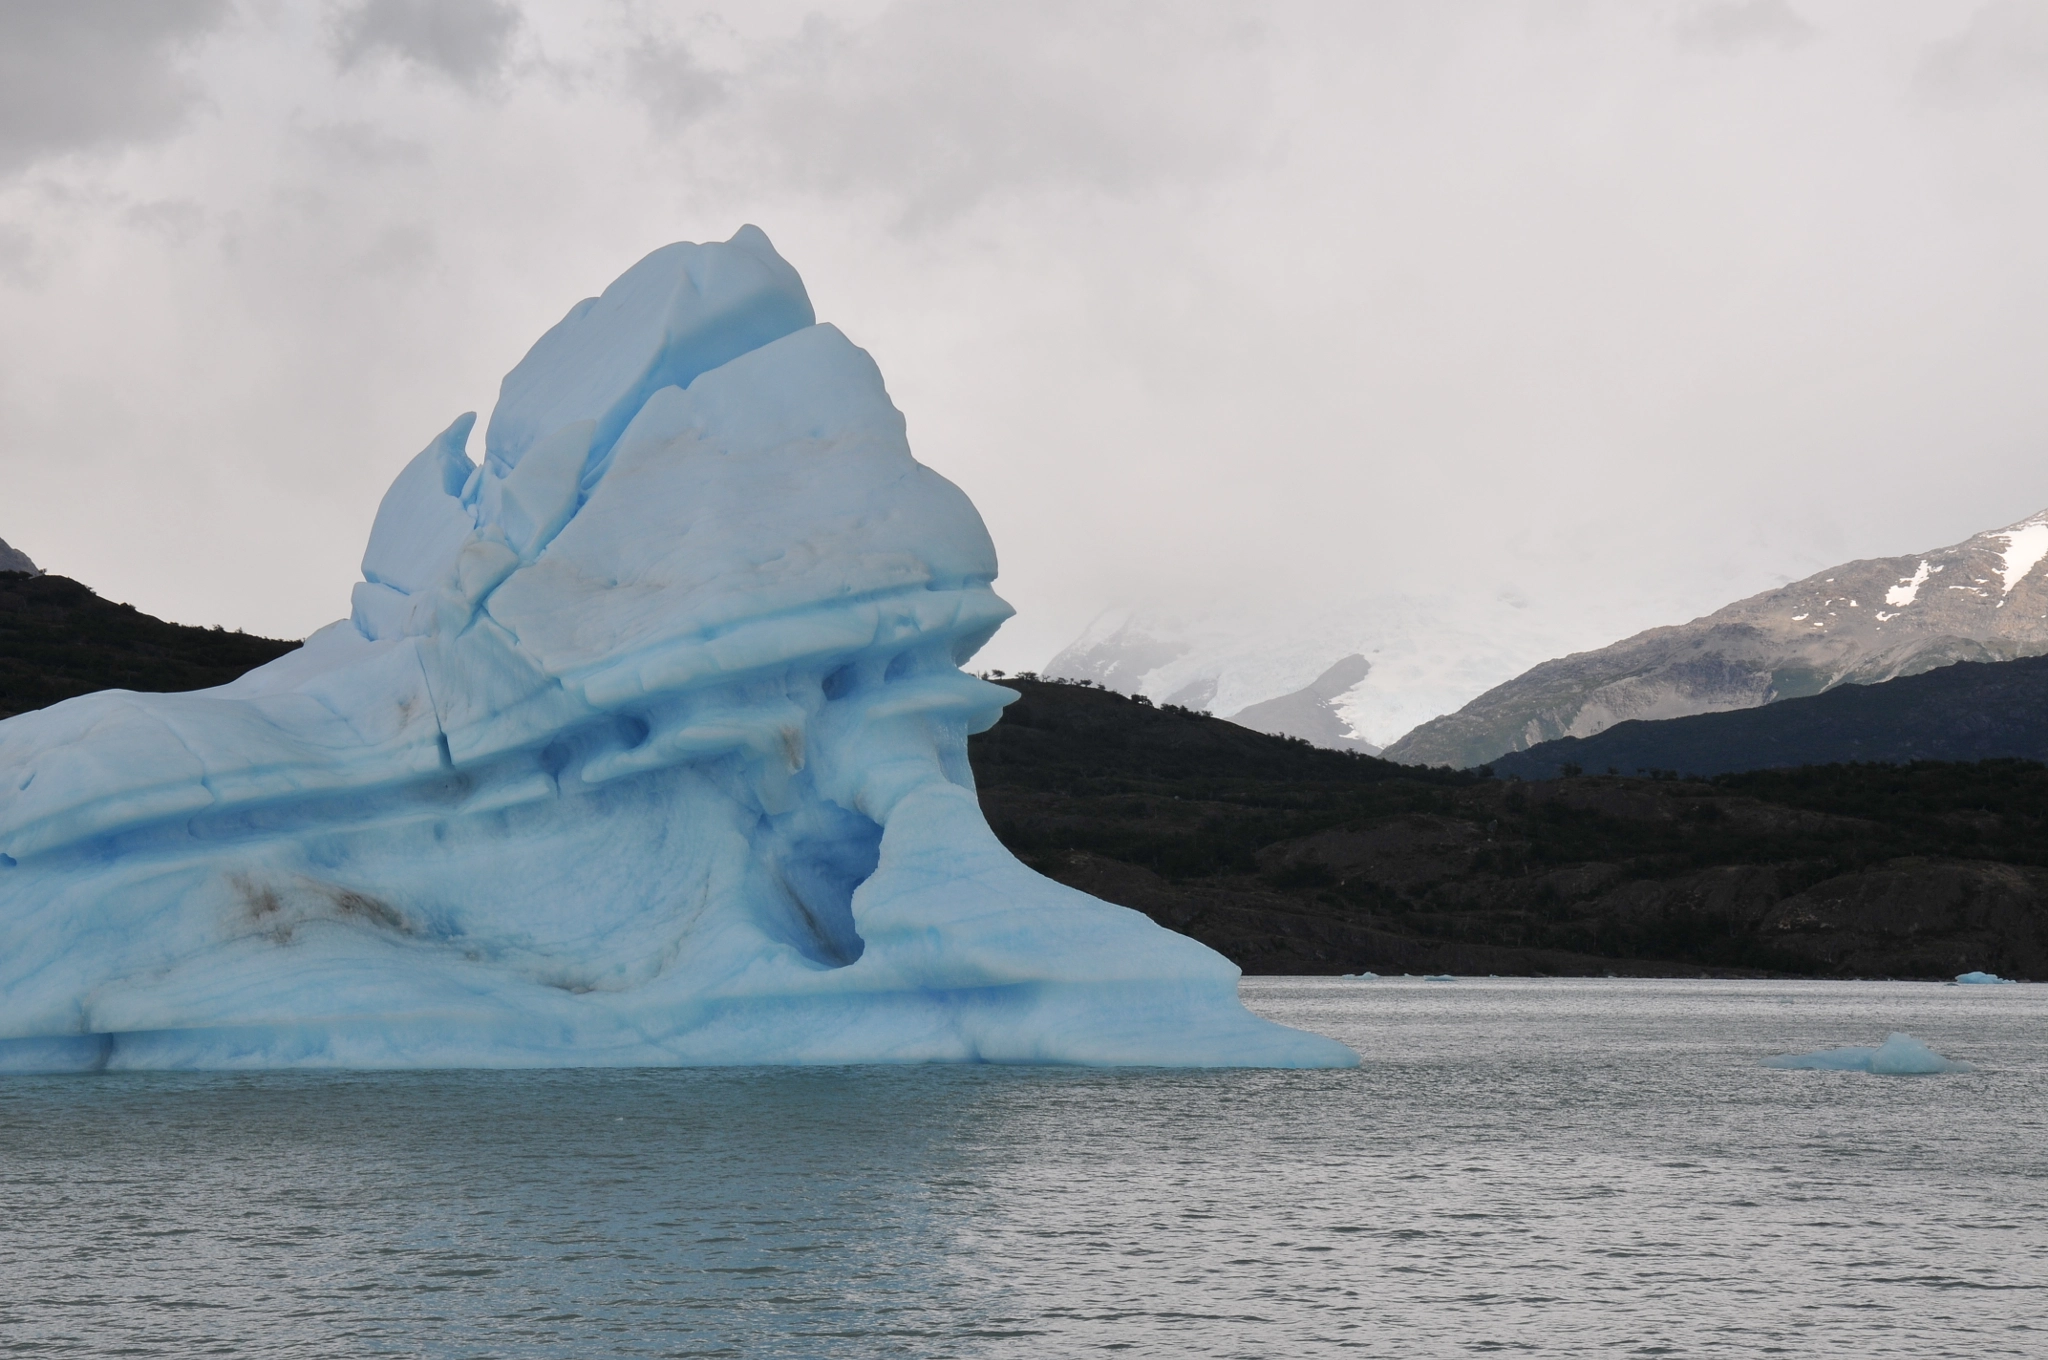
(1900,1055)
(1970,979)
(1362,977)
(1439,977)
(646,745)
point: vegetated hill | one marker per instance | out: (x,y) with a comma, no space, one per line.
(1973,711)
(1984,599)
(1290,859)
(58,640)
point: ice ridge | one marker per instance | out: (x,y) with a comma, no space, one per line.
(644,743)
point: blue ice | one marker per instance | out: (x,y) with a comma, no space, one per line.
(1969,979)
(644,742)
(1900,1055)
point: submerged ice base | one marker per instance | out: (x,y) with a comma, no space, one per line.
(644,743)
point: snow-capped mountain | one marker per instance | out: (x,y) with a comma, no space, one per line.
(1354,674)
(1984,599)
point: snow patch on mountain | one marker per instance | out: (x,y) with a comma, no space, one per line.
(2025,545)
(1907,590)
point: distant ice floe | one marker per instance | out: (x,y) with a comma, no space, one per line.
(1439,977)
(1973,979)
(1363,977)
(1900,1055)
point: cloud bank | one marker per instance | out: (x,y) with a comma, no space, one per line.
(1619,310)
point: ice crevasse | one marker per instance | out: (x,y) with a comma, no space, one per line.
(644,743)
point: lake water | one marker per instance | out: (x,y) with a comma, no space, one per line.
(1557,1168)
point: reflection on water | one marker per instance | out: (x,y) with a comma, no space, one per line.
(1550,1167)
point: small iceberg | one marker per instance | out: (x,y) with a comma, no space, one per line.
(1974,979)
(1900,1055)
(1362,977)
(1439,977)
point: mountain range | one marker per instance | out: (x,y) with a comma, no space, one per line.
(1969,711)
(1984,599)
(1399,673)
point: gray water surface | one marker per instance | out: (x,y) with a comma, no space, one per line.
(1540,1167)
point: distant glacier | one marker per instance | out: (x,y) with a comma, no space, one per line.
(644,743)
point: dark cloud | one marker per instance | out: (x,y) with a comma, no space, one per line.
(84,75)
(468,41)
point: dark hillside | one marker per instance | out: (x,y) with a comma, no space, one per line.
(1973,710)
(58,640)
(1288,858)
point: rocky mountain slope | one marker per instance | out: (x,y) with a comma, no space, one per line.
(14,559)
(1311,713)
(1290,859)
(1971,711)
(58,640)
(1985,599)
(1417,656)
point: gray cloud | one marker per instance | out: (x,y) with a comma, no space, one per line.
(676,88)
(468,41)
(1744,23)
(361,145)
(178,220)
(2003,50)
(85,75)
(942,103)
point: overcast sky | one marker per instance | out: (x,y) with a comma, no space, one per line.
(1626,307)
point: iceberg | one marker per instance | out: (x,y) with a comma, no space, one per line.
(644,743)
(1975,979)
(1900,1055)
